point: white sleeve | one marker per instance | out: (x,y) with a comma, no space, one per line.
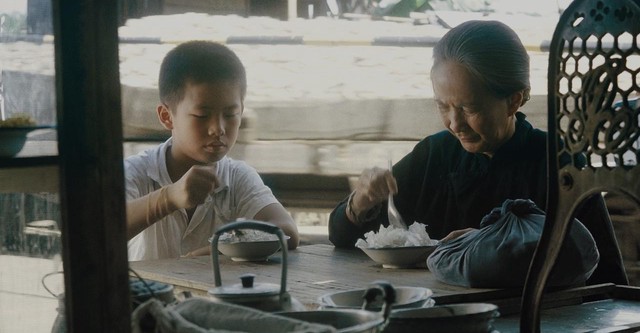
(135,175)
(249,192)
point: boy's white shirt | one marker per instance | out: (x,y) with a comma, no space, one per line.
(242,194)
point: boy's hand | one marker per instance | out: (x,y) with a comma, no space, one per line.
(194,186)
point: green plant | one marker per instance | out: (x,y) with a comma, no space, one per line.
(22,120)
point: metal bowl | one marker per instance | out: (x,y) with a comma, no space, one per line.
(453,318)
(12,140)
(249,251)
(400,257)
(344,320)
(353,320)
(406,297)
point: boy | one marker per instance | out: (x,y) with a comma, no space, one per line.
(181,191)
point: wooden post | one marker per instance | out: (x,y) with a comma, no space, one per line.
(91,171)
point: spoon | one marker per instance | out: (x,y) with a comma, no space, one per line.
(394,216)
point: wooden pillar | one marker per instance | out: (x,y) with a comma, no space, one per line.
(91,172)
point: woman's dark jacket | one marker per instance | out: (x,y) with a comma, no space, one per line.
(447,188)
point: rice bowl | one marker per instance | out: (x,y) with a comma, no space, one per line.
(249,251)
(248,245)
(400,257)
(397,247)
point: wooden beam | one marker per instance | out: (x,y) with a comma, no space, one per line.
(29,179)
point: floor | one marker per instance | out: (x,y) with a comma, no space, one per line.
(23,296)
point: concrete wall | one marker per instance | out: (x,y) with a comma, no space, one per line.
(355,120)
(293,137)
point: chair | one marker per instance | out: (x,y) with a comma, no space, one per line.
(594,135)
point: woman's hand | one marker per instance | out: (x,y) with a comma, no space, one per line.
(372,188)
(456,233)
(205,250)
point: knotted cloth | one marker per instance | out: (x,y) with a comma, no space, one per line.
(499,253)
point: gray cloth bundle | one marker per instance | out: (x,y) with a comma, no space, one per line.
(200,315)
(499,253)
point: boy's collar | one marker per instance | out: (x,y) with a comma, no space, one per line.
(160,173)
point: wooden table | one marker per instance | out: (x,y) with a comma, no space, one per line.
(318,269)
(313,270)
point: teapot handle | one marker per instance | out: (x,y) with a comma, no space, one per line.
(250,224)
(384,289)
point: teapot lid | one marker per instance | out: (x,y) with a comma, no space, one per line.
(246,289)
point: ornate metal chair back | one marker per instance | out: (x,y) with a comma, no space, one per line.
(593,124)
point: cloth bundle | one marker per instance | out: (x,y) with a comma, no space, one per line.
(499,253)
(200,315)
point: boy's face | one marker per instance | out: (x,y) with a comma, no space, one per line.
(205,123)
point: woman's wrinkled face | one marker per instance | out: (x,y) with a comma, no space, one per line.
(479,120)
(205,123)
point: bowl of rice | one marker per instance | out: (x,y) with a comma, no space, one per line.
(248,245)
(398,248)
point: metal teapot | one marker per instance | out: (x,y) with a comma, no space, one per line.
(262,296)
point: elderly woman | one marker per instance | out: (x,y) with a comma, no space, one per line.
(489,152)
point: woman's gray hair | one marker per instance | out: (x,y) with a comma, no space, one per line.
(491,51)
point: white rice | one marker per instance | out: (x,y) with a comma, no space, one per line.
(391,236)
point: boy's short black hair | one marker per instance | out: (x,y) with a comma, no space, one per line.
(198,62)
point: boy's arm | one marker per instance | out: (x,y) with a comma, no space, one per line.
(276,214)
(144,211)
(189,191)
(205,250)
